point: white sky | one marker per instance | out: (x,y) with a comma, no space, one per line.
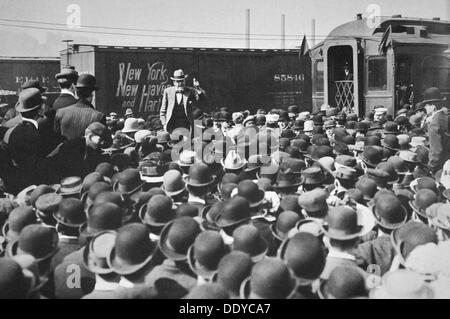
(225,16)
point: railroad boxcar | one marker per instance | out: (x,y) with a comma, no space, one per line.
(391,62)
(135,77)
(15,71)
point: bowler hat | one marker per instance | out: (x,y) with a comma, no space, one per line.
(390,128)
(233,269)
(345,160)
(368,187)
(89,180)
(37,240)
(424,183)
(206,252)
(15,283)
(18,219)
(391,142)
(29,100)
(287,179)
(250,191)
(380,177)
(290,202)
(235,211)
(309,225)
(133,249)
(100,217)
(173,183)
(422,200)
(270,279)
(38,191)
(247,238)
(432,95)
(70,213)
(199,176)
(389,212)
(342,224)
(95,253)
(399,164)
(158,211)
(372,156)
(304,255)
(343,283)
(314,201)
(95,189)
(285,222)
(129,182)
(47,204)
(177,236)
(87,81)
(209,215)
(187,210)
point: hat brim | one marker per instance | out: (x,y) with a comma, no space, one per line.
(150,221)
(224,223)
(95,88)
(245,289)
(416,209)
(116,188)
(297,184)
(123,269)
(175,193)
(179,79)
(380,222)
(186,180)
(276,234)
(261,196)
(12,251)
(92,268)
(19,108)
(343,237)
(58,218)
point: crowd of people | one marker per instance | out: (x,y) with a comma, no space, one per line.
(275,204)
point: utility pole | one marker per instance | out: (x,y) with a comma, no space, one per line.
(67,50)
(283,32)
(247,28)
(313,32)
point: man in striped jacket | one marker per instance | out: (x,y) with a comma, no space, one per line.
(72,121)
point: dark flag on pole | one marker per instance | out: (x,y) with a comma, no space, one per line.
(304,49)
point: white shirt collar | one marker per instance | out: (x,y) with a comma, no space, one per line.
(67,91)
(103,285)
(125,283)
(35,123)
(196,199)
(333,253)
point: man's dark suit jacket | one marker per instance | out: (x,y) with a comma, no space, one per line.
(72,121)
(63,100)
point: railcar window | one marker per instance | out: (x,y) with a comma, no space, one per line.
(377,74)
(436,72)
(318,85)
